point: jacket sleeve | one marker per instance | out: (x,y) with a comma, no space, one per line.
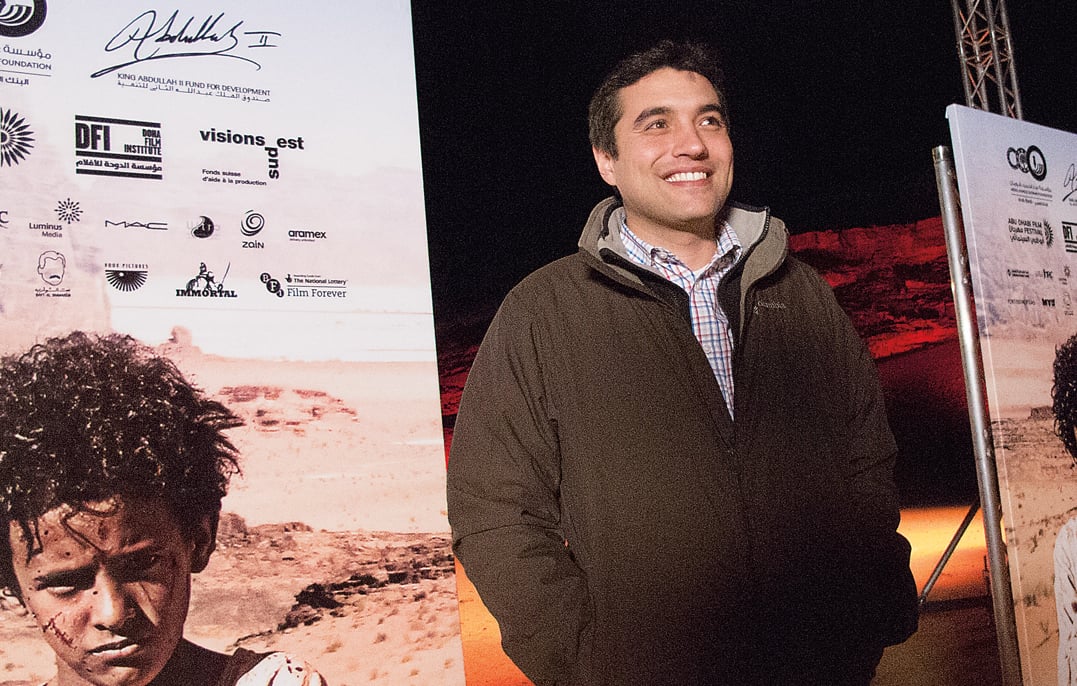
(883,589)
(503,503)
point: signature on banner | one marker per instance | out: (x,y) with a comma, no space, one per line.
(146,38)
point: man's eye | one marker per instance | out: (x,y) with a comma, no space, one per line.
(60,591)
(139,566)
(67,584)
(656,124)
(712,122)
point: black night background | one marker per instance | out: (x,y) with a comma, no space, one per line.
(835,109)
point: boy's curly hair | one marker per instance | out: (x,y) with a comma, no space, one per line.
(1064,395)
(84,418)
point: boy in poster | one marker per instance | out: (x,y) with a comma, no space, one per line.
(112,471)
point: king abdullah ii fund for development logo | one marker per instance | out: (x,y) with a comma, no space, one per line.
(16,138)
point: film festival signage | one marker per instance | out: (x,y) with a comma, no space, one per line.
(1018,188)
(238,185)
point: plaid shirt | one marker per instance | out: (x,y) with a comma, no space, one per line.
(709,322)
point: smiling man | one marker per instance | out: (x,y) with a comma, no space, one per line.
(671,463)
(112,470)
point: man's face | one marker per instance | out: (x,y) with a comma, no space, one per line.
(674,166)
(109,588)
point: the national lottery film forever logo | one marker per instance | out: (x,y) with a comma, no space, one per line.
(117,147)
(21,18)
(16,137)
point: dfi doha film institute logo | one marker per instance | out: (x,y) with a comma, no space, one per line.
(16,138)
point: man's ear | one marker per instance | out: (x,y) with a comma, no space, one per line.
(604,162)
(204,539)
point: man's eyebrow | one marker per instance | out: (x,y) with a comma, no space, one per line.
(664,110)
(61,576)
(648,113)
(711,107)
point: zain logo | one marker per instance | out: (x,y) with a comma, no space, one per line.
(204,228)
(21,18)
(253,222)
(126,280)
(68,211)
(16,138)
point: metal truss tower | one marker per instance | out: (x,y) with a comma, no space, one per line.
(986,54)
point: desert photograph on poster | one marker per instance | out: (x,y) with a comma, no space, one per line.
(331,544)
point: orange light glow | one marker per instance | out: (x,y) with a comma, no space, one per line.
(929,530)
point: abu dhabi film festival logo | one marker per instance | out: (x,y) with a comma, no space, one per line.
(20,18)
(16,138)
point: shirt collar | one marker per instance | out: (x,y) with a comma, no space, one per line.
(727,247)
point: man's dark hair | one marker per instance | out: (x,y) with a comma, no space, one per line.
(605,109)
(85,418)
(1064,395)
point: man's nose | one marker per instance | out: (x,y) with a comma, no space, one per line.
(689,142)
(112,608)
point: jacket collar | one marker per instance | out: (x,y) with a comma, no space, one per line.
(764,239)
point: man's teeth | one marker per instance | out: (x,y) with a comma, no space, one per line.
(687,176)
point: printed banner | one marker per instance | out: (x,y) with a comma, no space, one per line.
(1018,187)
(239,184)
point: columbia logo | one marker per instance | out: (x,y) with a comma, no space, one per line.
(768,305)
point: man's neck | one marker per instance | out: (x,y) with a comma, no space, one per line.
(693,245)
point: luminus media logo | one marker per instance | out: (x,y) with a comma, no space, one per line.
(16,138)
(68,211)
